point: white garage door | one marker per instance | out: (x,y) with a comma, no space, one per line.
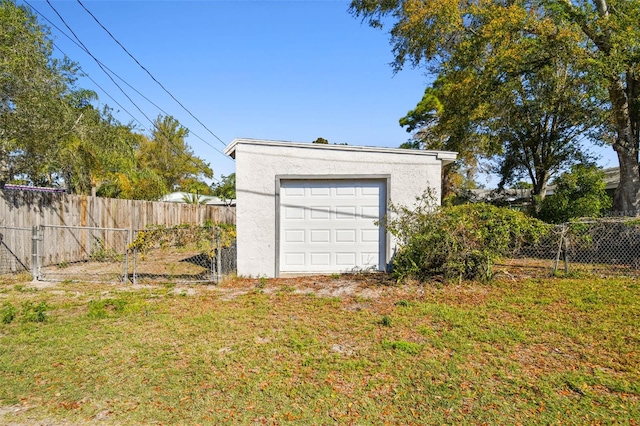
(329,226)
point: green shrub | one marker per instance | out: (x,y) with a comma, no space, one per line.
(8,313)
(101,308)
(386,321)
(34,313)
(99,253)
(402,346)
(461,242)
(578,193)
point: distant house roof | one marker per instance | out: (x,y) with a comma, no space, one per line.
(509,195)
(182,197)
(32,188)
(611,179)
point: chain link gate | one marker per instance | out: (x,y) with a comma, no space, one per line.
(15,250)
(81,254)
(183,254)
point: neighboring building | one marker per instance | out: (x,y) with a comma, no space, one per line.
(13,187)
(316,208)
(521,198)
(612,179)
(184,197)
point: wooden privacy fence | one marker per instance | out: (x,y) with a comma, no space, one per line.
(26,209)
(24,215)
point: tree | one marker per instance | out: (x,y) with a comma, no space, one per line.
(169,156)
(501,41)
(321,141)
(539,119)
(36,97)
(444,119)
(226,188)
(578,193)
(51,134)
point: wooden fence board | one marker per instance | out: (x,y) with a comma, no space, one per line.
(25,209)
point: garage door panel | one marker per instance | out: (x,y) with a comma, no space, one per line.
(345,259)
(345,191)
(294,191)
(294,236)
(320,259)
(319,192)
(345,236)
(335,231)
(370,191)
(319,212)
(320,236)
(369,259)
(370,212)
(293,213)
(294,259)
(346,212)
(369,235)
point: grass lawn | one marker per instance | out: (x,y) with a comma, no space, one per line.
(321,350)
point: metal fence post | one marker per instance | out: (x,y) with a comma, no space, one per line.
(566,254)
(125,278)
(134,272)
(218,256)
(35,252)
(560,243)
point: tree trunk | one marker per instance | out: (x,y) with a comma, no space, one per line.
(626,118)
(626,199)
(448,187)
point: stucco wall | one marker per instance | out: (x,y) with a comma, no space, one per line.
(259,162)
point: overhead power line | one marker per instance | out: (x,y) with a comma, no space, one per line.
(80,44)
(98,62)
(149,73)
(110,72)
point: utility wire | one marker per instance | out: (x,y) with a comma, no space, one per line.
(98,62)
(172,146)
(101,64)
(79,68)
(101,88)
(149,73)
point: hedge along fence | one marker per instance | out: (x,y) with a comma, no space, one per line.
(184,253)
(467,241)
(458,242)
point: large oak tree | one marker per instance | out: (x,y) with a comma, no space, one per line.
(503,40)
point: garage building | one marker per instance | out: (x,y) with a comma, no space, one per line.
(304,208)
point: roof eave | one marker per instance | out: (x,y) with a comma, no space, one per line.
(446,157)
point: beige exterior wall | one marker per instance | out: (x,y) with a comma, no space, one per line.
(259,164)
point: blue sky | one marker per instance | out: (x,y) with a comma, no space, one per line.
(283,70)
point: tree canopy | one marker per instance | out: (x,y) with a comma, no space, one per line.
(578,193)
(226,188)
(53,133)
(494,44)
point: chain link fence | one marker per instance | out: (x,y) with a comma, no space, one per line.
(82,254)
(183,254)
(604,247)
(15,250)
(188,254)
(158,254)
